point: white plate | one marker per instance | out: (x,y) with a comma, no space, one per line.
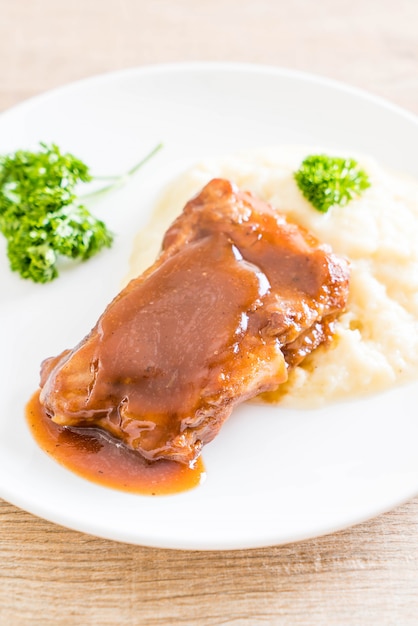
(273,476)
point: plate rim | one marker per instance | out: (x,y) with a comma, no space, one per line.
(218,66)
(186,67)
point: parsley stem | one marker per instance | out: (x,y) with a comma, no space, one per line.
(136,167)
(119,181)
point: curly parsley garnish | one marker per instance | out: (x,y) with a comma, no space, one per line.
(40,214)
(326,181)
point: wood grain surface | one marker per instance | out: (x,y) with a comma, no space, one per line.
(367,575)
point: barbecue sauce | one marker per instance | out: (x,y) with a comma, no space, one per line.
(100,459)
(237,296)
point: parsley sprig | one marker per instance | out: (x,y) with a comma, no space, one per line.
(40,213)
(326,181)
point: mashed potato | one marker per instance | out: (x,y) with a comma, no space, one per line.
(376,339)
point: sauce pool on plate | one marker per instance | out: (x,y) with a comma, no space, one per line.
(91,455)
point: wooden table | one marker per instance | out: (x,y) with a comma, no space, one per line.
(367,575)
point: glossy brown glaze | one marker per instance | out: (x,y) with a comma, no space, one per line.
(90,454)
(236,297)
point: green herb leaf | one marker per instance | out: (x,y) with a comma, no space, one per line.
(40,215)
(326,181)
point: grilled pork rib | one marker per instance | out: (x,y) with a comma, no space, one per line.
(237,296)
